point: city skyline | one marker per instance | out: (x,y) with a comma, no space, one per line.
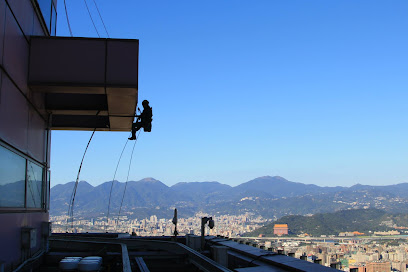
(314,92)
(343,251)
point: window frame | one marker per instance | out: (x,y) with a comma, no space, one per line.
(45,184)
(51,25)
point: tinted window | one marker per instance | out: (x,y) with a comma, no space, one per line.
(47,191)
(12,179)
(34,185)
(53,22)
(45,7)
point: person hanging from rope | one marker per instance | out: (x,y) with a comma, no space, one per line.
(144,120)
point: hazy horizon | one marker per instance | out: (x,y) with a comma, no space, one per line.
(169,185)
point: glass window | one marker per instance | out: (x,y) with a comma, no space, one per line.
(45,7)
(47,191)
(34,185)
(12,179)
(53,21)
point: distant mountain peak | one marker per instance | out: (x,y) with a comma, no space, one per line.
(270,178)
(279,177)
(151,180)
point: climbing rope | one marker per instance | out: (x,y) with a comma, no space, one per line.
(72,202)
(113,180)
(66,15)
(90,16)
(127,178)
(100,16)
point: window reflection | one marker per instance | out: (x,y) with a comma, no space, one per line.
(53,22)
(34,185)
(47,191)
(45,7)
(12,179)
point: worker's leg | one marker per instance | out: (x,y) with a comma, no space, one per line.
(135,127)
(138,126)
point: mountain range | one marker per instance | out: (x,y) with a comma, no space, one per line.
(365,221)
(270,197)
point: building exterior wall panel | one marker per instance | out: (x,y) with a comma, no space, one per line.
(24,12)
(23,134)
(38,100)
(2,25)
(122,60)
(64,61)
(15,51)
(13,115)
(37,136)
(37,28)
(1,83)
(11,228)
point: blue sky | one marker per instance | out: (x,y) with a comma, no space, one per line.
(313,91)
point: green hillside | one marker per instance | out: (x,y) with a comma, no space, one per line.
(361,220)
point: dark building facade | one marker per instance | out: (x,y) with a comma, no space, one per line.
(24,133)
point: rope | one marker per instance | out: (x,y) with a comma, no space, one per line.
(127,178)
(66,13)
(71,205)
(91,18)
(100,16)
(113,180)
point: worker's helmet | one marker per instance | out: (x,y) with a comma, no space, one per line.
(145,103)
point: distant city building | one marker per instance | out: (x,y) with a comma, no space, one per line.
(378,267)
(357,268)
(384,233)
(349,233)
(280,229)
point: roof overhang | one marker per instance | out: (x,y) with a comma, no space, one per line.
(89,83)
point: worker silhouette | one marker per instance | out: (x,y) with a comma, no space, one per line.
(144,120)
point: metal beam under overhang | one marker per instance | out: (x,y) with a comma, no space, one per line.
(89,83)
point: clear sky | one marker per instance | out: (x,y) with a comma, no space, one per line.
(313,91)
